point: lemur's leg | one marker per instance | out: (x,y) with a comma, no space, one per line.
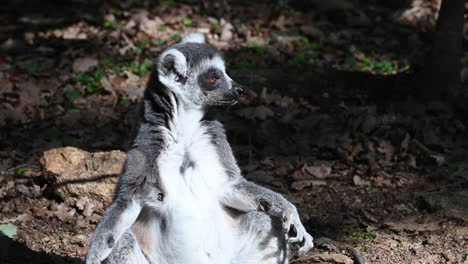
(133,191)
(117,219)
(261,240)
(126,251)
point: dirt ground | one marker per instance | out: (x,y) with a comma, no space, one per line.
(326,121)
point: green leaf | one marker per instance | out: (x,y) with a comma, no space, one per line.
(236,20)
(73,111)
(21,171)
(304,40)
(67,141)
(117,12)
(142,45)
(162,27)
(216,25)
(108,24)
(124,102)
(350,60)
(299,59)
(176,37)
(159,42)
(450,170)
(108,61)
(315,45)
(246,64)
(8,230)
(187,21)
(273,36)
(72,94)
(170,2)
(31,69)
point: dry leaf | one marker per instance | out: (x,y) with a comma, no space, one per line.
(64,213)
(360,182)
(335,258)
(387,148)
(321,171)
(24,217)
(80,203)
(299,185)
(226,32)
(84,64)
(151,26)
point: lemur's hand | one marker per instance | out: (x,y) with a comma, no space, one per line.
(291,218)
(100,248)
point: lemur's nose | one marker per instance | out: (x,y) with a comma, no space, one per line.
(238,89)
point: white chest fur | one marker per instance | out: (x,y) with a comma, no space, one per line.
(193,178)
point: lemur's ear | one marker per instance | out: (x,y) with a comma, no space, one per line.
(194,38)
(173,61)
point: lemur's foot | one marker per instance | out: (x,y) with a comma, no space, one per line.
(292,219)
(303,237)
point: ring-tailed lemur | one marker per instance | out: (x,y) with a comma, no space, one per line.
(181,197)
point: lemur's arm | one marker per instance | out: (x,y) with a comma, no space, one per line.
(247,196)
(131,196)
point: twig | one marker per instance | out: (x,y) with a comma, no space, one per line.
(15,168)
(444,186)
(357,256)
(422,147)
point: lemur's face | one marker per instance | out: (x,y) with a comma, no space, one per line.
(195,71)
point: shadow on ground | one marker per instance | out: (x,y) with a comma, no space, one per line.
(17,253)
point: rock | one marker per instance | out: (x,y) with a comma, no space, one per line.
(464,75)
(328,257)
(84,64)
(312,30)
(76,173)
(326,243)
(449,203)
(299,185)
(312,172)
(226,32)
(360,182)
(415,223)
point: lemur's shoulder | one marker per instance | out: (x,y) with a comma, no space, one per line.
(217,133)
(215,129)
(213,125)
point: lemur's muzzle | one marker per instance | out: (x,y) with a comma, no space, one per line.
(238,89)
(232,95)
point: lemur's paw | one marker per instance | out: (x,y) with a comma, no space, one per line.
(301,234)
(289,219)
(308,243)
(100,248)
(95,257)
(92,258)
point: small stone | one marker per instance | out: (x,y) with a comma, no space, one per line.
(84,64)
(299,185)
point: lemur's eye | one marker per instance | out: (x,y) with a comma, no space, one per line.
(212,79)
